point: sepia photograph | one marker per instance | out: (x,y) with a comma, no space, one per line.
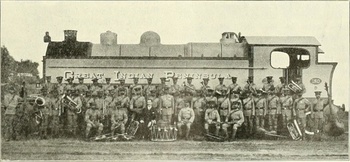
(174,80)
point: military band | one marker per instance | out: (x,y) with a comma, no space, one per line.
(111,108)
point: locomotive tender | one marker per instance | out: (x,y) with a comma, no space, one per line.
(234,55)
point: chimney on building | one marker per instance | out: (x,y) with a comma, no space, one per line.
(70,35)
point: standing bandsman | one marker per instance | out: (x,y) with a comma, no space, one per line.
(298,81)
(10,103)
(110,106)
(273,103)
(71,112)
(179,103)
(137,106)
(205,86)
(59,86)
(108,86)
(148,88)
(175,89)
(122,86)
(189,89)
(212,117)
(81,87)
(235,118)
(248,112)
(56,107)
(133,86)
(167,105)
(224,104)
(198,106)
(93,119)
(48,85)
(69,85)
(160,88)
(119,117)
(300,106)
(186,117)
(46,113)
(286,101)
(95,87)
(123,98)
(250,86)
(317,112)
(234,88)
(211,95)
(280,87)
(268,86)
(260,109)
(221,85)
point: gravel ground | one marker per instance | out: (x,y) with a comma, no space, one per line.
(66,149)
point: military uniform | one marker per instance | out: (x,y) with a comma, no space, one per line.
(249,113)
(70,86)
(175,90)
(250,86)
(300,107)
(260,111)
(56,113)
(46,111)
(189,90)
(179,104)
(81,88)
(235,118)
(282,86)
(205,86)
(198,106)
(210,96)
(72,116)
(119,117)
(317,112)
(137,104)
(93,119)
(286,106)
(167,104)
(234,88)
(10,103)
(147,90)
(186,117)
(59,86)
(106,88)
(48,85)
(212,117)
(272,106)
(224,107)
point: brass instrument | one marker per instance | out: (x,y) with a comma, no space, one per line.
(186,86)
(132,128)
(35,99)
(68,101)
(294,130)
(294,87)
(38,117)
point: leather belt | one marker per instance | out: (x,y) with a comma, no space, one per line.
(257,108)
(166,107)
(318,110)
(273,108)
(248,109)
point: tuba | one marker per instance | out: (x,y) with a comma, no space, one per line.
(294,130)
(294,87)
(68,101)
(36,100)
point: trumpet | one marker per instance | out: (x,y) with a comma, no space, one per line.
(294,87)
(68,101)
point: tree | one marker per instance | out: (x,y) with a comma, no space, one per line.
(8,65)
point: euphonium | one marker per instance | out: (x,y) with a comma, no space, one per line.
(36,100)
(294,130)
(68,101)
(294,87)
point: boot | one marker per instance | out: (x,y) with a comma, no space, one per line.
(233,137)
(217,132)
(187,134)
(226,134)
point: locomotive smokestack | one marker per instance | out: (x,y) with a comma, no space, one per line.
(70,35)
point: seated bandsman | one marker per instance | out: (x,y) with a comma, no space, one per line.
(212,117)
(211,95)
(260,109)
(93,119)
(186,117)
(234,119)
(119,118)
(248,112)
(317,108)
(300,107)
(286,102)
(273,103)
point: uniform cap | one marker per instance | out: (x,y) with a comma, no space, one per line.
(81,78)
(175,77)
(48,77)
(162,78)
(108,79)
(59,77)
(210,89)
(234,78)
(68,79)
(149,102)
(135,78)
(282,78)
(221,77)
(94,79)
(269,77)
(149,78)
(121,79)
(318,92)
(138,87)
(189,78)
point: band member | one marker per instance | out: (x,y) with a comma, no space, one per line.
(175,89)
(272,105)
(300,106)
(211,95)
(198,106)
(147,88)
(11,100)
(317,112)
(189,89)
(122,86)
(109,106)
(81,87)
(205,86)
(160,88)
(123,98)
(260,109)
(45,113)
(48,85)
(250,86)
(95,87)
(56,108)
(108,86)
(133,86)
(234,88)
(93,119)
(186,117)
(212,117)
(167,105)
(59,85)
(119,117)
(71,112)
(137,106)
(235,118)
(224,104)
(298,81)
(268,86)
(69,85)
(280,87)
(248,112)
(221,85)
(179,103)
(286,101)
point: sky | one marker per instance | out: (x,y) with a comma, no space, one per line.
(23,25)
